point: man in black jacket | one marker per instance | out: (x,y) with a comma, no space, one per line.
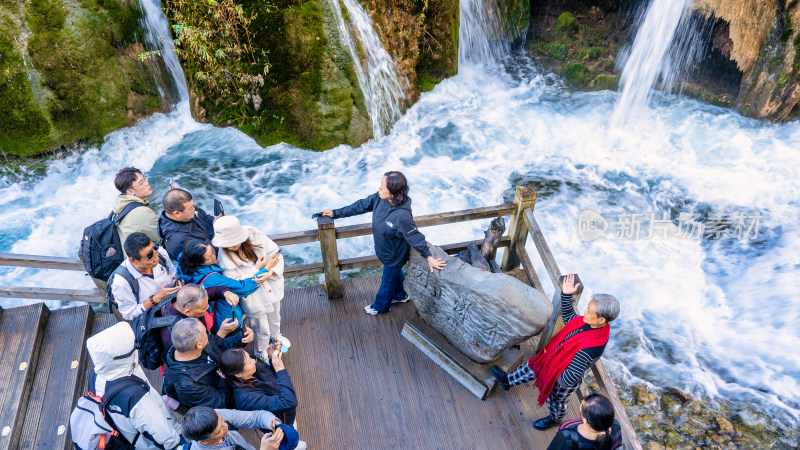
(181,222)
(191,364)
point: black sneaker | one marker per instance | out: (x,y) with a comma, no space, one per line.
(501,376)
(401,300)
(545,423)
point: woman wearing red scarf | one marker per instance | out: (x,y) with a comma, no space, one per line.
(558,369)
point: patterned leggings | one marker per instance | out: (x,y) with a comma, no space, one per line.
(556,403)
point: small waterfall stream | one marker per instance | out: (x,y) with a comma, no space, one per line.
(159,38)
(375,70)
(647,57)
(481,38)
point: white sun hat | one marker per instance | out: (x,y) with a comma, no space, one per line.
(228,232)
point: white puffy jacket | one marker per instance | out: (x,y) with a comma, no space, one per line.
(139,411)
(259,302)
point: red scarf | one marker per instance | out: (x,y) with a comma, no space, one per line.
(551,362)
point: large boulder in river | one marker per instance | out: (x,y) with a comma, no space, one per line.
(479,312)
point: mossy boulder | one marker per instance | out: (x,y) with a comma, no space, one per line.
(66,75)
(576,74)
(605,82)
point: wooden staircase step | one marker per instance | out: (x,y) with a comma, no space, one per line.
(21,334)
(59,379)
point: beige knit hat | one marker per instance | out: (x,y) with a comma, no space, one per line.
(228,232)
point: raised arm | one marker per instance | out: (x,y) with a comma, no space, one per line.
(362,206)
(568,287)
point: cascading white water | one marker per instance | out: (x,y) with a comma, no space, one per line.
(646,59)
(159,38)
(481,38)
(377,76)
(465,145)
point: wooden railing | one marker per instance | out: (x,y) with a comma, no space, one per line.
(521,225)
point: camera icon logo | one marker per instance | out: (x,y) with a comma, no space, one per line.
(591,225)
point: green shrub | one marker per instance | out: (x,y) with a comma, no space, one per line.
(566,24)
(576,73)
(591,53)
(557,50)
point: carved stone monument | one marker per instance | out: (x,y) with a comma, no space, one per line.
(479,313)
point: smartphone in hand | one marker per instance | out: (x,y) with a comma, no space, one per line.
(218,210)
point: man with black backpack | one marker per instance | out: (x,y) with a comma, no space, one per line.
(144,278)
(134,189)
(135,409)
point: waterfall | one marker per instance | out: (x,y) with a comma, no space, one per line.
(646,60)
(481,38)
(377,77)
(159,38)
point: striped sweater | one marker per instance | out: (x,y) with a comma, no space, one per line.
(573,374)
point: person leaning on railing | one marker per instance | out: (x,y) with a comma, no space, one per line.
(558,369)
(393,231)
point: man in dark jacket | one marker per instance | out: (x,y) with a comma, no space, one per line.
(394,232)
(181,221)
(192,301)
(191,364)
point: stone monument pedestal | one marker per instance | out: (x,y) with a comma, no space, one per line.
(473,376)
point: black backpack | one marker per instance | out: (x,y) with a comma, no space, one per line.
(101,249)
(146,330)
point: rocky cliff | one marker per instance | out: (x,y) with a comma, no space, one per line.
(311,97)
(69,72)
(765,37)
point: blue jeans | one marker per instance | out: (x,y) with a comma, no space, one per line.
(391,288)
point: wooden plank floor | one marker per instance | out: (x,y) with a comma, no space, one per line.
(360,384)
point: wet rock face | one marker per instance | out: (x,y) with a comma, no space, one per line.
(479,312)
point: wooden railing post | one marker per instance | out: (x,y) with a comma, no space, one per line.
(524,199)
(330,257)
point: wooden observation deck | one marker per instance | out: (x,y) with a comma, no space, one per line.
(359,383)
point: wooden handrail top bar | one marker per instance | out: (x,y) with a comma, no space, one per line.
(295,237)
(430,220)
(42,293)
(40,262)
(282,239)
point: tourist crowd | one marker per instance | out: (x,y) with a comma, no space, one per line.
(209,286)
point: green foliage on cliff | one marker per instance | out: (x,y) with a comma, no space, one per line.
(216,37)
(557,50)
(566,24)
(576,74)
(65,77)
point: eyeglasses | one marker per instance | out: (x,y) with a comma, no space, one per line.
(153,251)
(142,182)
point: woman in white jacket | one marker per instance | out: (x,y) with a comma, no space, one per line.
(241,248)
